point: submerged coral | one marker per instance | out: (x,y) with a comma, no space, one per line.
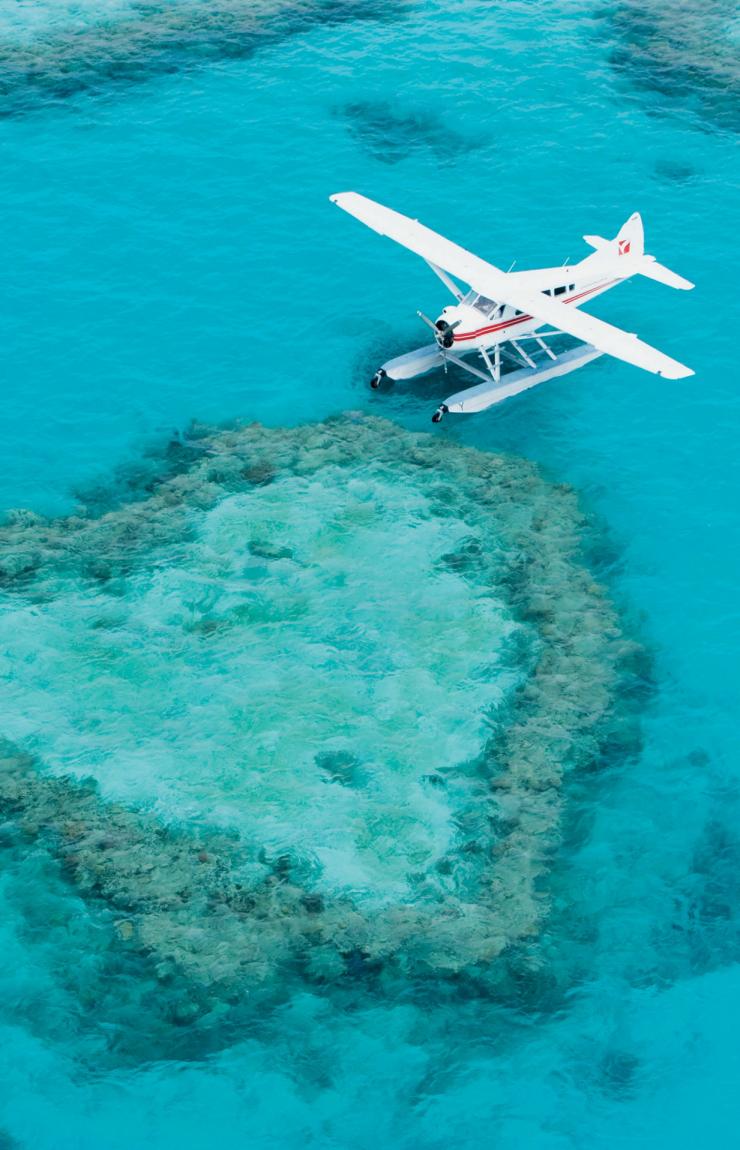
(94,50)
(684,52)
(330,682)
(391,136)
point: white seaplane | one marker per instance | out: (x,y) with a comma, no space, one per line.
(502,316)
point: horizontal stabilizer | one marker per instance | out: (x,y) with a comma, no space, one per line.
(597,242)
(649,266)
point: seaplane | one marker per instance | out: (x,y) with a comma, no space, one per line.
(503,330)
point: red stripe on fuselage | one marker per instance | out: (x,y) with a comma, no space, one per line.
(526,318)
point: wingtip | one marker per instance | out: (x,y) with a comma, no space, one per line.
(680,371)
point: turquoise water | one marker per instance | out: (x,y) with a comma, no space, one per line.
(170,255)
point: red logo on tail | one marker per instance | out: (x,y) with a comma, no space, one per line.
(624,247)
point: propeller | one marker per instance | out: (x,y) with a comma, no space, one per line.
(442,329)
(443,333)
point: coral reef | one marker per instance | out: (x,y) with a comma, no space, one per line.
(150,38)
(683,52)
(392,644)
(391,135)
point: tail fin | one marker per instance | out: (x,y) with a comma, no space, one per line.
(630,239)
(628,247)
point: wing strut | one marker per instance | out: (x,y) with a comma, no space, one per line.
(449,283)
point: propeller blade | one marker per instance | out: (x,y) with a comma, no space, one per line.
(430,323)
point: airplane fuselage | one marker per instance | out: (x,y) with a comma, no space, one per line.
(482,323)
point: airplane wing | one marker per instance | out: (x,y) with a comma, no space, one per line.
(419,239)
(604,336)
(491,281)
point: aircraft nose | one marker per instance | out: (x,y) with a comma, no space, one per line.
(445,332)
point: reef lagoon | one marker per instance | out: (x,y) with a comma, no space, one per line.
(358,804)
(361,782)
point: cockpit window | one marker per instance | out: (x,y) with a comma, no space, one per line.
(559,290)
(482,303)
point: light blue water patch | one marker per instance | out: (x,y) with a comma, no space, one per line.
(248,669)
(23,21)
(169,253)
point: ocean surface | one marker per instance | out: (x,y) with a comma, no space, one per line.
(288,657)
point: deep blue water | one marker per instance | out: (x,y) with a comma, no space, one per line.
(169,254)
